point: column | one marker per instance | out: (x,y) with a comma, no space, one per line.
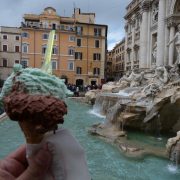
(161,33)
(132,45)
(126,41)
(144,36)
(171,47)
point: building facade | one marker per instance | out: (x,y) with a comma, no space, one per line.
(79,50)
(109,66)
(118,59)
(10,50)
(150,26)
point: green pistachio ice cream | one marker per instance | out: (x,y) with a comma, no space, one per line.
(35,82)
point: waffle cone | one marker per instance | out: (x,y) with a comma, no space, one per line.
(31,136)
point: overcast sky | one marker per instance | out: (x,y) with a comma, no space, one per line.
(109,12)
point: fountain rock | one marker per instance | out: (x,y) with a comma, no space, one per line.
(148,101)
(173,148)
(90,96)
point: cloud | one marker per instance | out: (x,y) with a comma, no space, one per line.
(114,37)
(109,12)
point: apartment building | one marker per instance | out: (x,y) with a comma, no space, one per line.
(109,66)
(79,50)
(10,50)
(119,59)
(115,64)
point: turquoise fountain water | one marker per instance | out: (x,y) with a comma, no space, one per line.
(104,160)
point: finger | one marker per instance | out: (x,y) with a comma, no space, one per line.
(5,175)
(19,154)
(38,166)
(16,162)
(12,166)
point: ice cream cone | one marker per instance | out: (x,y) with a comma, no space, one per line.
(30,133)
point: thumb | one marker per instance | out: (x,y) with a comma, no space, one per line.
(38,166)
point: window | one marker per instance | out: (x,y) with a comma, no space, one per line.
(43,49)
(55,50)
(17,38)
(72,38)
(78,70)
(96,56)
(16,48)
(71,51)
(70,65)
(45,25)
(54,64)
(54,26)
(55,37)
(45,36)
(62,27)
(97,31)
(24,63)
(5,37)
(25,48)
(5,47)
(96,71)
(25,35)
(79,30)
(78,42)
(78,55)
(5,63)
(97,43)
(16,61)
(129,56)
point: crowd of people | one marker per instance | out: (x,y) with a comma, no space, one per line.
(82,88)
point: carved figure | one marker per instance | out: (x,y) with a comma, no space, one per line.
(154,52)
(156,84)
(134,79)
(176,39)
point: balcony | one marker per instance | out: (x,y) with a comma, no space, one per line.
(40,25)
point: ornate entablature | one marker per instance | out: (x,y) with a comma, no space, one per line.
(145,5)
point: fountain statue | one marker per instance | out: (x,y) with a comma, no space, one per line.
(173,149)
(176,39)
(154,52)
(139,100)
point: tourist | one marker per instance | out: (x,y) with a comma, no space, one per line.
(15,165)
(77,91)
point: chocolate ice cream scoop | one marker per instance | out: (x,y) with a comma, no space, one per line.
(36,114)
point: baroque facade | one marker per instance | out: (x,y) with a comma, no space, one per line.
(150,26)
(79,50)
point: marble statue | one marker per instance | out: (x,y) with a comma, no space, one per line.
(156,83)
(176,39)
(154,52)
(155,14)
(134,79)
